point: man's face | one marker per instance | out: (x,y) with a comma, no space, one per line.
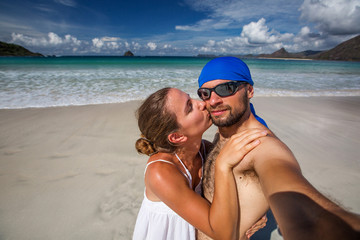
(226,111)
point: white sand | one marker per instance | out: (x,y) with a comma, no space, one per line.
(73,172)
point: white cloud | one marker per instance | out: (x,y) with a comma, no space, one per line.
(232,14)
(71,39)
(211,43)
(335,17)
(135,45)
(113,45)
(216,11)
(54,39)
(20,38)
(305,31)
(110,39)
(204,5)
(255,38)
(53,44)
(206,24)
(69,3)
(152,46)
(98,43)
(335,21)
(259,33)
(107,44)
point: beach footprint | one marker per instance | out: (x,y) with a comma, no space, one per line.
(122,201)
(119,207)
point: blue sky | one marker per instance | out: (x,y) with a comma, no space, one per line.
(177,27)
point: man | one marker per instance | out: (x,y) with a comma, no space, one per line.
(270,174)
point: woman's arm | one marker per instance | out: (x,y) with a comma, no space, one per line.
(219,220)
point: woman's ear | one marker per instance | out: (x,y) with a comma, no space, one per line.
(177,138)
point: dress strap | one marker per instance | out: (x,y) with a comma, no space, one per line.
(158,160)
(188,174)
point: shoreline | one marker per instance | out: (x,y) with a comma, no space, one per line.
(139,100)
(72,172)
(280,58)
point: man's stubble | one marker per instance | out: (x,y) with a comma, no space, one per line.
(233,117)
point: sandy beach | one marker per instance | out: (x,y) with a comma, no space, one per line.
(73,172)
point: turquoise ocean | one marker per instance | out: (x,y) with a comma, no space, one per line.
(64,81)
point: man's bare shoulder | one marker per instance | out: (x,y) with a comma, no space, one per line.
(271,148)
(271,143)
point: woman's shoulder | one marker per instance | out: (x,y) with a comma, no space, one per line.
(159,162)
(162,177)
(160,168)
(160,158)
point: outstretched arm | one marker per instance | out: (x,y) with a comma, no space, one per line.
(301,211)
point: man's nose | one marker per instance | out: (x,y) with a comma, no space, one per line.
(214,99)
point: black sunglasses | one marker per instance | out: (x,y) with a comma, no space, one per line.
(223,90)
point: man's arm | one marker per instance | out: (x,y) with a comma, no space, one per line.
(301,211)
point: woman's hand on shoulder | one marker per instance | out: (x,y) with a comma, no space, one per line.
(238,146)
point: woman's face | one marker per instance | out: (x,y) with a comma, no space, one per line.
(192,116)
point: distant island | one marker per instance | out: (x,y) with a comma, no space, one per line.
(128,54)
(346,51)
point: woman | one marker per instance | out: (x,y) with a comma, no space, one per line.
(172,125)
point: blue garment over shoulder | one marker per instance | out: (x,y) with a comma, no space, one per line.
(262,121)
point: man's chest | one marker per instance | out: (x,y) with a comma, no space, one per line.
(243,173)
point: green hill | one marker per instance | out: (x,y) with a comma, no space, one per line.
(8,49)
(346,51)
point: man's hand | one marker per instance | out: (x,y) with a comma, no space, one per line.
(257,226)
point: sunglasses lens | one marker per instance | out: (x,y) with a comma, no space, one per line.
(204,93)
(224,90)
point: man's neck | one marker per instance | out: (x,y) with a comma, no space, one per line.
(247,122)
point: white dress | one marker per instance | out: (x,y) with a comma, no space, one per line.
(156,221)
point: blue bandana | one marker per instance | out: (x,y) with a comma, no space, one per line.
(226,68)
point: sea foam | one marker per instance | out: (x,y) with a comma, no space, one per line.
(83,81)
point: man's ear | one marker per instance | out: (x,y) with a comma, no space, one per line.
(250,91)
(177,138)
